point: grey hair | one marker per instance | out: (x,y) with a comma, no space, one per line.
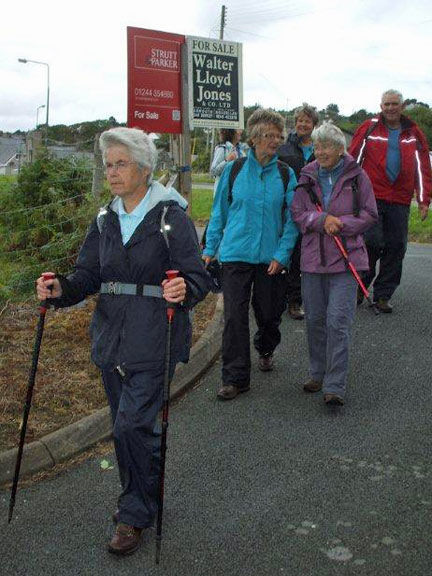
(307,110)
(392,92)
(328,132)
(260,118)
(138,143)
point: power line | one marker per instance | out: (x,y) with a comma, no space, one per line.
(248,33)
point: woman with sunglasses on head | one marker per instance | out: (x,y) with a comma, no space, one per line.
(251,227)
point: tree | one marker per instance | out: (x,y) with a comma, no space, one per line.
(423,117)
(360,116)
(332,110)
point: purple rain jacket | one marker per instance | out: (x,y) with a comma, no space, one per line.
(319,252)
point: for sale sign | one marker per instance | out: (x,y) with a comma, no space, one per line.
(215,83)
(154,80)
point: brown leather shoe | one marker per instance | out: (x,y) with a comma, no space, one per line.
(126,540)
(296,311)
(312,386)
(333,400)
(383,305)
(265,363)
(229,392)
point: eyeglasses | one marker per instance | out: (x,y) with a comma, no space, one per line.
(119,166)
(324,147)
(272,136)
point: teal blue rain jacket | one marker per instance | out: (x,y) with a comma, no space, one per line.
(252,228)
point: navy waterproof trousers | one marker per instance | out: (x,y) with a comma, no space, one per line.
(135,401)
(386,241)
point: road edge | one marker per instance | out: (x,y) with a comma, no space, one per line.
(69,441)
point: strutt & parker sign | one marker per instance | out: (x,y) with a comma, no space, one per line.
(214,82)
(154,80)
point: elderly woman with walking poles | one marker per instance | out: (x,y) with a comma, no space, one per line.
(334,200)
(133,242)
(251,227)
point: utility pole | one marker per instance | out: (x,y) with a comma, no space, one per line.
(223,22)
(221,35)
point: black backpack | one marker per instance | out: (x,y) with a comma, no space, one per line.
(236,167)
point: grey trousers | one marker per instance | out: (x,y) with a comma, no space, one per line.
(330,303)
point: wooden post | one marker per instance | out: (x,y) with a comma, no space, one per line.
(98,170)
(184,140)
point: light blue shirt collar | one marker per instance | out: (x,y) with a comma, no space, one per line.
(138,212)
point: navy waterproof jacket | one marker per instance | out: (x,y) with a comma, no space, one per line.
(292,154)
(130,331)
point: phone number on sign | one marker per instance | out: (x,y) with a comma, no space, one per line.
(154,93)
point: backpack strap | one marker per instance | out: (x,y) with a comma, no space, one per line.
(284,173)
(235,169)
(238,165)
(355,193)
(164,226)
(100,218)
(309,189)
(371,128)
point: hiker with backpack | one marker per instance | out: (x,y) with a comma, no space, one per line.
(251,228)
(395,154)
(142,233)
(334,198)
(297,151)
(228,149)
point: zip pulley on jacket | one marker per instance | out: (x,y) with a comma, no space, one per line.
(120,288)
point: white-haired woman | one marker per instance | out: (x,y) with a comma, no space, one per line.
(124,257)
(251,227)
(344,192)
(297,151)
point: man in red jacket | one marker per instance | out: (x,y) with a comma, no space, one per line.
(394,152)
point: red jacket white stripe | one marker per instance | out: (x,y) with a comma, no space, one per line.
(415,174)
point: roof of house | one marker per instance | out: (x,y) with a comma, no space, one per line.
(9,147)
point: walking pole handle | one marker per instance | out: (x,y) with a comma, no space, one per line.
(44,305)
(351,266)
(171,274)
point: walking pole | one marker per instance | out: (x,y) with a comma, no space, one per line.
(165,411)
(351,266)
(32,376)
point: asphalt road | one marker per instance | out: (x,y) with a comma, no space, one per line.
(274,482)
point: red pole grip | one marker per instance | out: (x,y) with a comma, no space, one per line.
(171,274)
(44,305)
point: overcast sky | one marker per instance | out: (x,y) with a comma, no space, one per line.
(317,51)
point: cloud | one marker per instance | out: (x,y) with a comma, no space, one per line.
(314,51)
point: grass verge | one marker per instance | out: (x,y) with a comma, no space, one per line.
(68,385)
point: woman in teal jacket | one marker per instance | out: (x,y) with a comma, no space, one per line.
(251,228)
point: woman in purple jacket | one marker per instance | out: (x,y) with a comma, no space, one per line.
(344,192)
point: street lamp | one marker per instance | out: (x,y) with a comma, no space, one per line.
(37,114)
(25,61)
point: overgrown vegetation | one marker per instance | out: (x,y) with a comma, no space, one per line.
(44,215)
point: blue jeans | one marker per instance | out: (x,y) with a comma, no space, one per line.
(330,303)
